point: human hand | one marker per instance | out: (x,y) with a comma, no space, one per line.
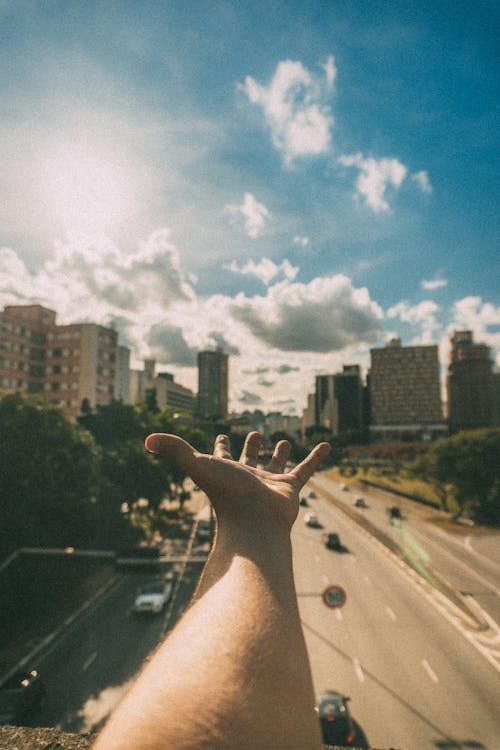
(240,490)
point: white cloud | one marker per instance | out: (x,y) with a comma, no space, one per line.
(423,315)
(265,270)
(293,107)
(433,284)
(422,180)
(375,175)
(472,314)
(253,212)
(325,315)
(301,240)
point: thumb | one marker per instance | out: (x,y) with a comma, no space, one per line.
(173,448)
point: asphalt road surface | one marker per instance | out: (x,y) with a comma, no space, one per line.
(414,679)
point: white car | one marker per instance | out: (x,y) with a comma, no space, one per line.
(311,519)
(152,597)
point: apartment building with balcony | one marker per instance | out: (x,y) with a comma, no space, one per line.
(73,366)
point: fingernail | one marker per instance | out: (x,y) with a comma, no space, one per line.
(153,444)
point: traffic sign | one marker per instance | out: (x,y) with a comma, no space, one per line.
(334,596)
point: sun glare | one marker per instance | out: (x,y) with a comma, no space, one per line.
(84,191)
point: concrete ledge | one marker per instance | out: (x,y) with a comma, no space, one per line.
(41,738)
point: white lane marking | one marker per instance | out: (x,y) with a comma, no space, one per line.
(339,615)
(366,579)
(467,544)
(429,670)
(359,672)
(89,661)
(325,579)
(390,613)
(316,557)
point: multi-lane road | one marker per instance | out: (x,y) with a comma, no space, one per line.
(415,678)
(418,676)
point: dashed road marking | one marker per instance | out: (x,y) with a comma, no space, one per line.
(359,671)
(429,670)
(325,579)
(390,613)
(316,557)
(89,661)
(339,615)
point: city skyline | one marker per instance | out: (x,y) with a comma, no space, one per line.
(297,184)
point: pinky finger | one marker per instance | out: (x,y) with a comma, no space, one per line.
(311,463)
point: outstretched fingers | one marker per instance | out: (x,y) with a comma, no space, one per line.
(250,453)
(311,463)
(279,458)
(221,447)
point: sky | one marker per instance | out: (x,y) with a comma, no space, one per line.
(296,182)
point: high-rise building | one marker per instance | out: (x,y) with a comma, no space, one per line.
(405,399)
(471,384)
(213,379)
(72,366)
(339,400)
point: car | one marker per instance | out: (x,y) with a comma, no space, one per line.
(331,540)
(303,502)
(19,695)
(313,495)
(311,519)
(344,487)
(360,502)
(394,511)
(152,597)
(337,727)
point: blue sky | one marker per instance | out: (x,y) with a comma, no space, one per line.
(295,181)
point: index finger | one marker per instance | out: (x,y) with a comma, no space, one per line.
(311,463)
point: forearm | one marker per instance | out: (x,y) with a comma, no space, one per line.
(234,673)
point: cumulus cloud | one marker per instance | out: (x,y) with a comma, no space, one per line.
(422,180)
(265,270)
(254,214)
(217,339)
(483,318)
(294,108)
(423,314)
(167,344)
(285,369)
(301,240)
(92,279)
(265,383)
(375,175)
(327,314)
(433,284)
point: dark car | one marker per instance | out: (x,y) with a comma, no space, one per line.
(332,540)
(336,724)
(394,511)
(360,502)
(19,695)
(313,495)
(303,502)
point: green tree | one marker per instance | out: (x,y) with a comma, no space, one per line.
(48,476)
(469,464)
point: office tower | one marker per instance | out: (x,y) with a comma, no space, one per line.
(339,400)
(213,384)
(72,366)
(471,384)
(405,393)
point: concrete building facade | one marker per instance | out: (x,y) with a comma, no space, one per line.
(70,365)
(339,400)
(162,387)
(405,399)
(213,384)
(472,385)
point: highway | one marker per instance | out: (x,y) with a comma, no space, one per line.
(414,679)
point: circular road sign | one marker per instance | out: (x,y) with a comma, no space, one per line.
(334,596)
